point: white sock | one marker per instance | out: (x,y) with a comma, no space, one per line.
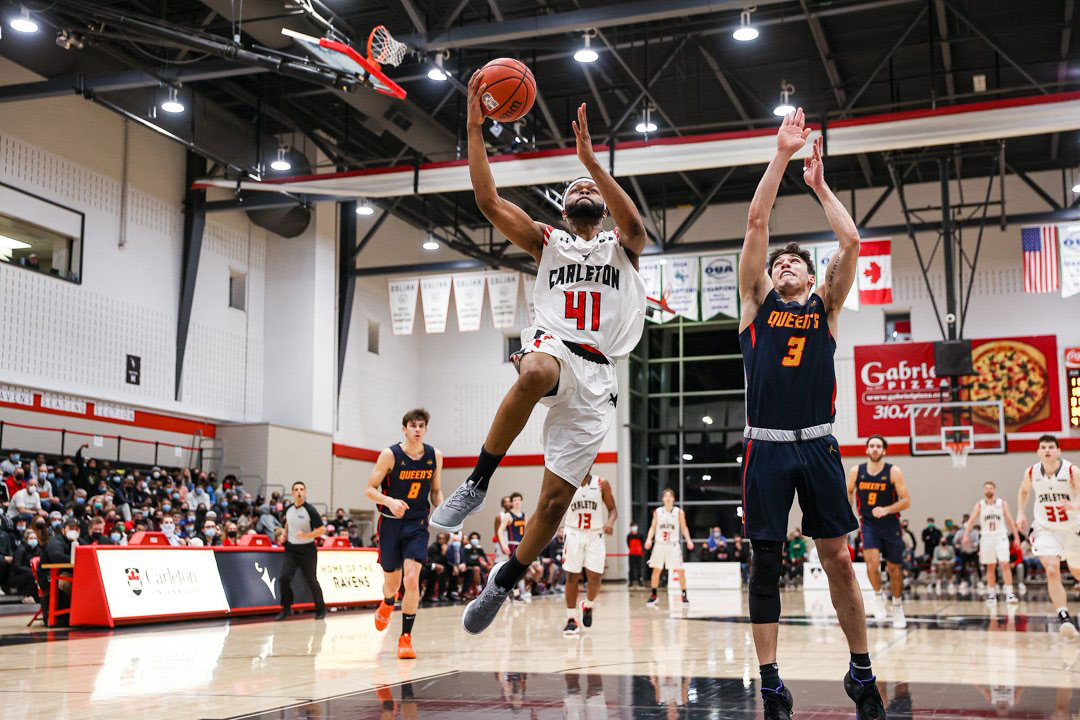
(897,602)
(1009,589)
(587,604)
(1062,609)
(571,613)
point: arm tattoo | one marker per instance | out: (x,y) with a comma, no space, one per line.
(832,269)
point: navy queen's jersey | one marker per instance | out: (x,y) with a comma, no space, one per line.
(410,481)
(788,358)
(873,491)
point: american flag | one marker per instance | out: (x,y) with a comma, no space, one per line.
(1040,258)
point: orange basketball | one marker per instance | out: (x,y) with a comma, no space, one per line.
(510,91)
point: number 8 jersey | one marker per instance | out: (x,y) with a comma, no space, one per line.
(788,356)
(410,481)
(588,292)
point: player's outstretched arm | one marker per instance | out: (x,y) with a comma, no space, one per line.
(1009,522)
(436,480)
(685,530)
(754,282)
(972,519)
(1021,500)
(632,235)
(652,531)
(507,217)
(608,496)
(841,271)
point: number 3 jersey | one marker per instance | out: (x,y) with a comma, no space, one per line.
(788,357)
(410,482)
(588,292)
(1051,493)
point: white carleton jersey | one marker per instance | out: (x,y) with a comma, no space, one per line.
(1051,494)
(588,292)
(992,520)
(667,525)
(587,511)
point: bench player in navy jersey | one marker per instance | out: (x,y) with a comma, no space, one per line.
(787,334)
(403,484)
(878,490)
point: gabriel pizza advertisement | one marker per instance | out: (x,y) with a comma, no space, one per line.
(1021,372)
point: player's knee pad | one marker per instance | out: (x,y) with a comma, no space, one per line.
(765,567)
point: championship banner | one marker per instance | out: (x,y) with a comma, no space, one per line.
(350,576)
(502,294)
(530,307)
(469,300)
(680,278)
(403,304)
(823,255)
(435,298)
(650,270)
(1021,372)
(1069,236)
(719,286)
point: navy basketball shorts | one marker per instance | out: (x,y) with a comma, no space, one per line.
(884,537)
(401,540)
(772,474)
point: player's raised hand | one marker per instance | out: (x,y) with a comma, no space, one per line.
(814,167)
(476,107)
(793,133)
(584,139)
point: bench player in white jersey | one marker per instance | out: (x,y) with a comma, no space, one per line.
(589,302)
(996,527)
(668,524)
(583,549)
(1055,524)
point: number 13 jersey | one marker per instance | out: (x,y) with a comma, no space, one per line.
(788,358)
(588,292)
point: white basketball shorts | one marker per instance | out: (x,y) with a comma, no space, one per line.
(584,549)
(993,549)
(1058,542)
(580,412)
(666,555)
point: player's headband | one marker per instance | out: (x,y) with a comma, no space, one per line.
(573,184)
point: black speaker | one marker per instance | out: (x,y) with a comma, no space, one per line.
(952,357)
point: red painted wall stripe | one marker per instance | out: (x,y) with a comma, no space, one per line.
(349,452)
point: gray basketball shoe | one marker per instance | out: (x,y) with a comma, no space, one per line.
(482,611)
(450,515)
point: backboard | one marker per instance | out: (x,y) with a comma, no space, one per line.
(954,428)
(345,59)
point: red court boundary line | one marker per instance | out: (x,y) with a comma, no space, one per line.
(348,452)
(143,419)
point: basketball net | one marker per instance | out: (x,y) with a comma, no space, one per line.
(383,49)
(958,451)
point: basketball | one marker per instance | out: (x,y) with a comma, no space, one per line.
(511,89)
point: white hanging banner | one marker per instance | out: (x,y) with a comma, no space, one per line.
(1069,237)
(469,300)
(824,254)
(528,284)
(435,298)
(681,286)
(650,271)
(403,304)
(719,285)
(502,294)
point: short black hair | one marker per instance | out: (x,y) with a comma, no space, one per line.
(791,248)
(298,482)
(516,495)
(1050,439)
(884,442)
(416,414)
(72,522)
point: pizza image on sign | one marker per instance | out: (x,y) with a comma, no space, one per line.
(1015,373)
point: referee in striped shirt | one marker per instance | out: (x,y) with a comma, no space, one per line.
(302,526)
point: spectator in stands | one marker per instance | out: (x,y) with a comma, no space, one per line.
(25,502)
(432,574)
(15,483)
(8,544)
(168,527)
(944,559)
(714,544)
(21,581)
(8,464)
(354,536)
(279,536)
(740,553)
(95,533)
(58,551)
(340,519)
(232,534)
(931,536)
(796,553)
(200,497)
(117,534)
(551,560)
(56,525)
(476,564)
(209,536)
(268,522)
(455,565)
(635,543)
(45,489)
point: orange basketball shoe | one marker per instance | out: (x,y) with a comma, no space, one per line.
(382,616)
(404,648)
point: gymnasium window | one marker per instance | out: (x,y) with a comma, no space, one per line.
(687,412)
(373,337)
(511,344)
(237,289)
(898,327)
(40,235)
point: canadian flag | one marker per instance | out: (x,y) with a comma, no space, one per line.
(875,272)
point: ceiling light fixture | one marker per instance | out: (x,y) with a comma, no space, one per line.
(707,419)
(646,125)
(437,72)
(1076,184)
(172,104)
(281,163)
(785,107)
(706,478)
(23,22)
(431,243)
(745,32)
(495,129)
(586,54)
(364,208)
(687,456)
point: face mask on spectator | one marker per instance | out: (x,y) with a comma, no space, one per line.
(475,542)
(56,524)
(52,476)
(168,529)
(95,534)
(176,496)
(15,457)
(633,528)
(32,489)
(80,500)
(210,532)
(115,537)
(72,535)
(98,506)
(233,533)
(166,507)
(191,516)
(21,527)
(39,524)
(156,475)
(32,542)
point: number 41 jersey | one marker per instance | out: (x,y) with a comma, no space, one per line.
(788,357)
(588,292)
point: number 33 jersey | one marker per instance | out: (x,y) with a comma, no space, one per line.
(588,292)
(788,357)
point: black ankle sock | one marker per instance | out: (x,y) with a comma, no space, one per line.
(510,573)
(770,676)
(485,468)
(407,692)
(1063,615)
(389,601)
(652,593)
(860,667)
(407,623)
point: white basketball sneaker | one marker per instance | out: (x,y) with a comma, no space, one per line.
(899,621)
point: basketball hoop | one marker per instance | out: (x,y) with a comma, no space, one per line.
(958,451)
(383,49)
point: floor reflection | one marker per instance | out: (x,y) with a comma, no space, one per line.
(670,696)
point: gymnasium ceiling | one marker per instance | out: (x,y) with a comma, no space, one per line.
(845,59)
